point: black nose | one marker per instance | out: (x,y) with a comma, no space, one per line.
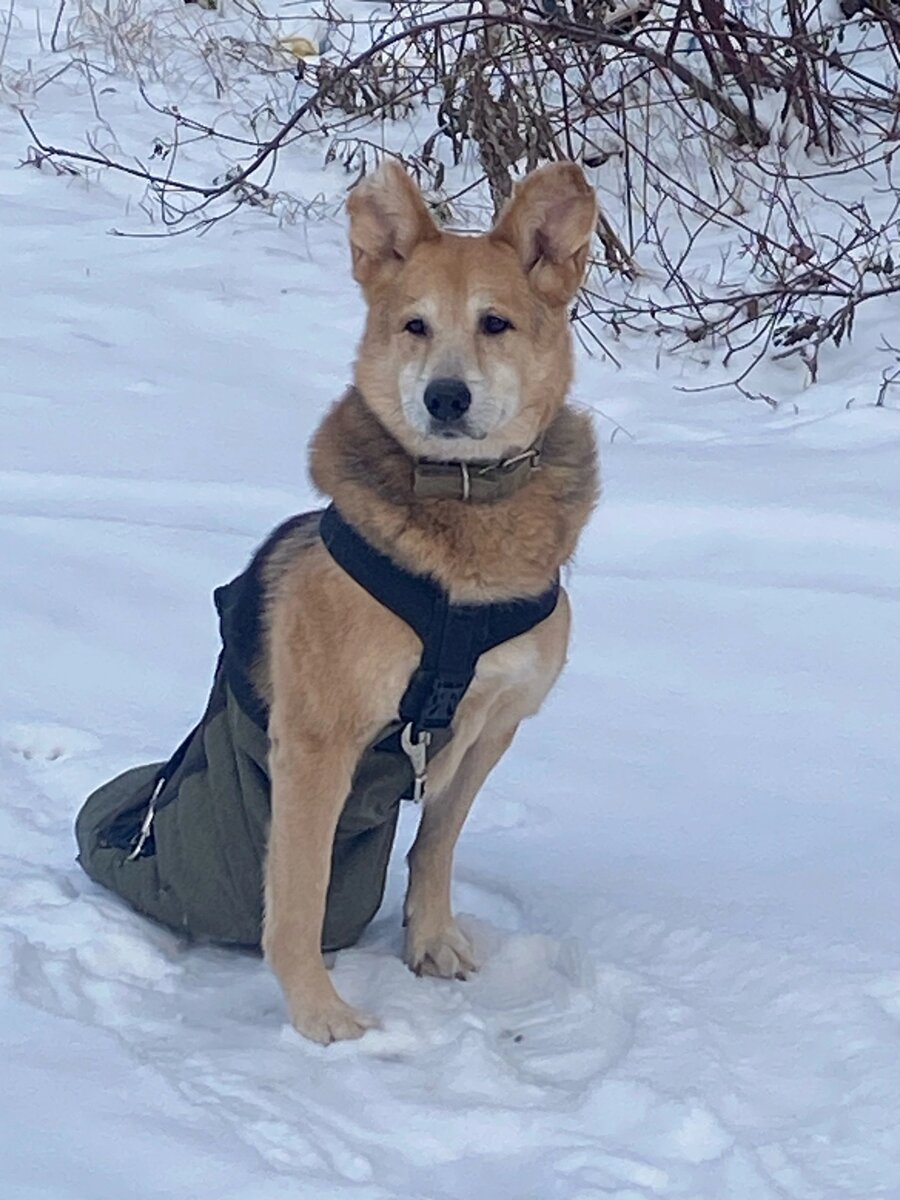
(447,399)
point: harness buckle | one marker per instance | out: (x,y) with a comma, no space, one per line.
(415,747)
(147,823)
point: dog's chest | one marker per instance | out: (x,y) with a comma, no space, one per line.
(521,670)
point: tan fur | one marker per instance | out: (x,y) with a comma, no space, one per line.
(336,662)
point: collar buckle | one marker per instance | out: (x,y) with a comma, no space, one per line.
(505,465)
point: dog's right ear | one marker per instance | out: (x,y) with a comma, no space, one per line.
(388,219)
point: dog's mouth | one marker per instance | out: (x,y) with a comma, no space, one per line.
(452,431)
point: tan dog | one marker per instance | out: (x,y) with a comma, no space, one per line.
(466,357)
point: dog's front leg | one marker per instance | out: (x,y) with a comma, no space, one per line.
(435,945)
(310,783)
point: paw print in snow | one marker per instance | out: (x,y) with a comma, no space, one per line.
(41,743)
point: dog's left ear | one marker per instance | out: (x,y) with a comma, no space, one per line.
(388,219)
(550,223)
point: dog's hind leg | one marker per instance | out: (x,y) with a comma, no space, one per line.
(435,945)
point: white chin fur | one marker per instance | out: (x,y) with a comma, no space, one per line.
(460,449)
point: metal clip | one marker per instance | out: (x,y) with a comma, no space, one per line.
(417,753)
(147,823)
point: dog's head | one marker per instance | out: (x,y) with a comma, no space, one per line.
(467,351)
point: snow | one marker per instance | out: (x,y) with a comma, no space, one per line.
(684,879)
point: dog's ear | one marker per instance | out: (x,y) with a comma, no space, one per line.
(388,219)
(550,222)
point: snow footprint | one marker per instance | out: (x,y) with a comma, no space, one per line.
(885,991)
(557,1018)
(45,742)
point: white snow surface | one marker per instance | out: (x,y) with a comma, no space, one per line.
(684,879)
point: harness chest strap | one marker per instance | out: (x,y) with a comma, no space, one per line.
(454,636)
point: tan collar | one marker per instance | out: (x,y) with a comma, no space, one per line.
(475,482)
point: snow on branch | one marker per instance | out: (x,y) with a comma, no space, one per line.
(754,135)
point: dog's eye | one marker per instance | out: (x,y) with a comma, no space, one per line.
(416,327)
(492,324)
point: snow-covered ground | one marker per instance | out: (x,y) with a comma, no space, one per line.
(684,880)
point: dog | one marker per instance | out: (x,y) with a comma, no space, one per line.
(466,361)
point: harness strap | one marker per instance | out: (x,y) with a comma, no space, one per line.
(454,636)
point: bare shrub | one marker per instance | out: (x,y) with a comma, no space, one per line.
(745,129)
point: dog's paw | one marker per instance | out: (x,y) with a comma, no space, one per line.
(446,953)
(334,1022)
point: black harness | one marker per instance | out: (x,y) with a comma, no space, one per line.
(454,636)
